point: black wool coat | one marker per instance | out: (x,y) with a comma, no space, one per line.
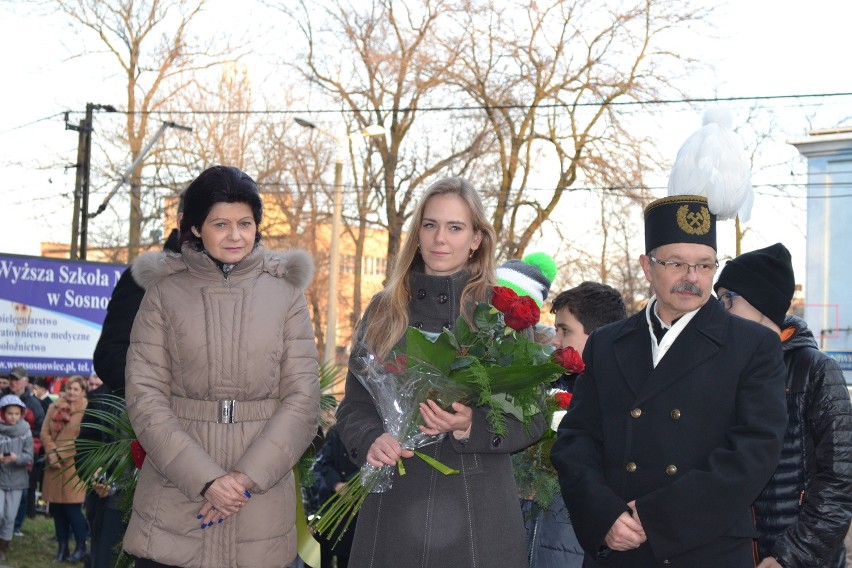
(428,520)
(110,354)
(692,441)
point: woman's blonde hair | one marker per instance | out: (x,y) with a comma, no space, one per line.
(388,317)
(76,379)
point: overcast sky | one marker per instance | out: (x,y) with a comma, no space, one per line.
(764,48)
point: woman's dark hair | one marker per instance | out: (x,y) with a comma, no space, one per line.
(219,184)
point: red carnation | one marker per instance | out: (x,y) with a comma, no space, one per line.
(522,314)
(569,359)
(137,452)
(502,298)
(563,398)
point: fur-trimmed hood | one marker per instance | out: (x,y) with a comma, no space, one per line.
(295,266)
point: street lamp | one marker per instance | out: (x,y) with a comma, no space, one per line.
(330,355)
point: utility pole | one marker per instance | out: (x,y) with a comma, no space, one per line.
(330,355)
(80,221)
(80,224)
(126,175)
(78,183)
(87,170)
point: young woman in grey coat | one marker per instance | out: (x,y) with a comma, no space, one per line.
(427,519)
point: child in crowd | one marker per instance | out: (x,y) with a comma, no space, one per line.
(16,447)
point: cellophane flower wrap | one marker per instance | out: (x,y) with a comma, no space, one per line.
(398,386)
(493,363)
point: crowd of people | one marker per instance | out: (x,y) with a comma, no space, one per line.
(704,431)
(40,423)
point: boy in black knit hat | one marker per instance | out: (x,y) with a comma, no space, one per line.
(765,278)
(803,514)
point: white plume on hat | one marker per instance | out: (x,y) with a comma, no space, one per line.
(713,163)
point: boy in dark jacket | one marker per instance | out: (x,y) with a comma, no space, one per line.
(16,449)
(804,512)
(579,311)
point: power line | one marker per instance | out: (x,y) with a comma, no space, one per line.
(33,122)
(496,107)
(351,189)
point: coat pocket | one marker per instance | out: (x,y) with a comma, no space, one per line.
(742,527)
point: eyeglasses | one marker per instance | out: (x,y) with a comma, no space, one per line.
(727,300)
(682,268)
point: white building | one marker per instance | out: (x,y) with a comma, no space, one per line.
(828,282)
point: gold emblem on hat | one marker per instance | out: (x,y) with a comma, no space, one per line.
(693,223)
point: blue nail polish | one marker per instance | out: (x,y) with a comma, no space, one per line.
(220,520)
(247,493)
(203,525)
(200,516)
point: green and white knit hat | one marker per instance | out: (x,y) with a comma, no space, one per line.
(530,276)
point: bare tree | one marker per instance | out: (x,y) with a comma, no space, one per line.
(621,214)
(292,165)
(230,127)
(549,78)
(224,130)
(366,200)
(397,65)
(152,43)
(758,129)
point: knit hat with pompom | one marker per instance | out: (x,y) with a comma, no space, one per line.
(530,276)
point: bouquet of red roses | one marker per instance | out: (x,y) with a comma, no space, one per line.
(494,360)
(489,363)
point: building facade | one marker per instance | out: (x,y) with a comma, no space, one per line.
(828,294)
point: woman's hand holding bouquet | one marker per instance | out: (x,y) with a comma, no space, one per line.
(386,450)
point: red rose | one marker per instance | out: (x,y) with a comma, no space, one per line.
(137,452)
(569,359)
(502,298)
(563,398)
(522,314)
(397,365)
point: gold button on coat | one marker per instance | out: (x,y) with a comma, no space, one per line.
(671,470)
(636,412)
(631,467)
(675,414)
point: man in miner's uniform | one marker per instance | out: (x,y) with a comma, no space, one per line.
(676,425)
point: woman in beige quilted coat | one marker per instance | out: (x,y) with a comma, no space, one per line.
(222,387)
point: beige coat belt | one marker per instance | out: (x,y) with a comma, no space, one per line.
(223,411)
